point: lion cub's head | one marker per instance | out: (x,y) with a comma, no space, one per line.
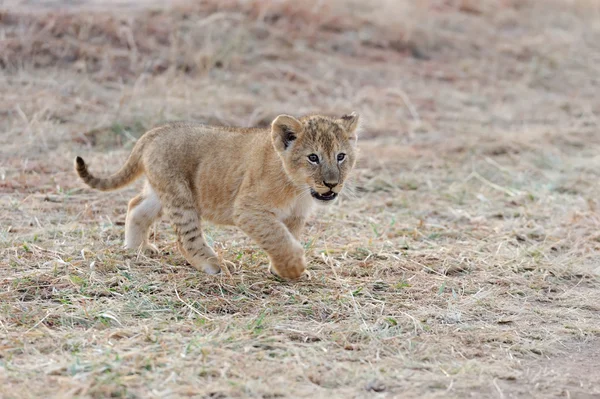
(317,151)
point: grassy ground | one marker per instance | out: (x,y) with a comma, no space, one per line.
(466,264)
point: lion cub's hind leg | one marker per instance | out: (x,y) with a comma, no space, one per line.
(180,207)
(142,212)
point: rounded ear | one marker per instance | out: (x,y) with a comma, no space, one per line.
(350,124)
(284,130)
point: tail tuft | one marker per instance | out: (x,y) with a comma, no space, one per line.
(80,167)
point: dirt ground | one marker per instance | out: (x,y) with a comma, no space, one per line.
(465,261)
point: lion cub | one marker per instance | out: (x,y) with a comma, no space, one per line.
(264,181)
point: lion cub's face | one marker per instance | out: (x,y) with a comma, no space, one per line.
(317,151)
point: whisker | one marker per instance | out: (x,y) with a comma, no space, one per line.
(350,190)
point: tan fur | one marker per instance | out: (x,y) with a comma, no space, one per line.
(263,181)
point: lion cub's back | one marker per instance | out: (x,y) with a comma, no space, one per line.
(199,152)
(185,141)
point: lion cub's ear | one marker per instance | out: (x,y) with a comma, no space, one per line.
(284,130)
(350,124)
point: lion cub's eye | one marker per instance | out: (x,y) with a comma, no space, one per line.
(341,156)
(313,158)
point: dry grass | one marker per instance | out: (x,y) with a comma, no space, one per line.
(466,263)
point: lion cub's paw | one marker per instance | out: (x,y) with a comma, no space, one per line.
(290,270)
(146,249)
(150,249)
(208,266)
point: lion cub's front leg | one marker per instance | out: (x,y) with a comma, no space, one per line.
(285,252)
(295,224)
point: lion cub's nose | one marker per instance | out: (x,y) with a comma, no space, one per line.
(330,184)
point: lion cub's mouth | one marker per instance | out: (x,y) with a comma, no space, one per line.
(328,196)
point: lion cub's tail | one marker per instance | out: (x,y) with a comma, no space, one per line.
(132,169)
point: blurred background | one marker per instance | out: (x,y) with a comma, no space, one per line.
(413,69)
